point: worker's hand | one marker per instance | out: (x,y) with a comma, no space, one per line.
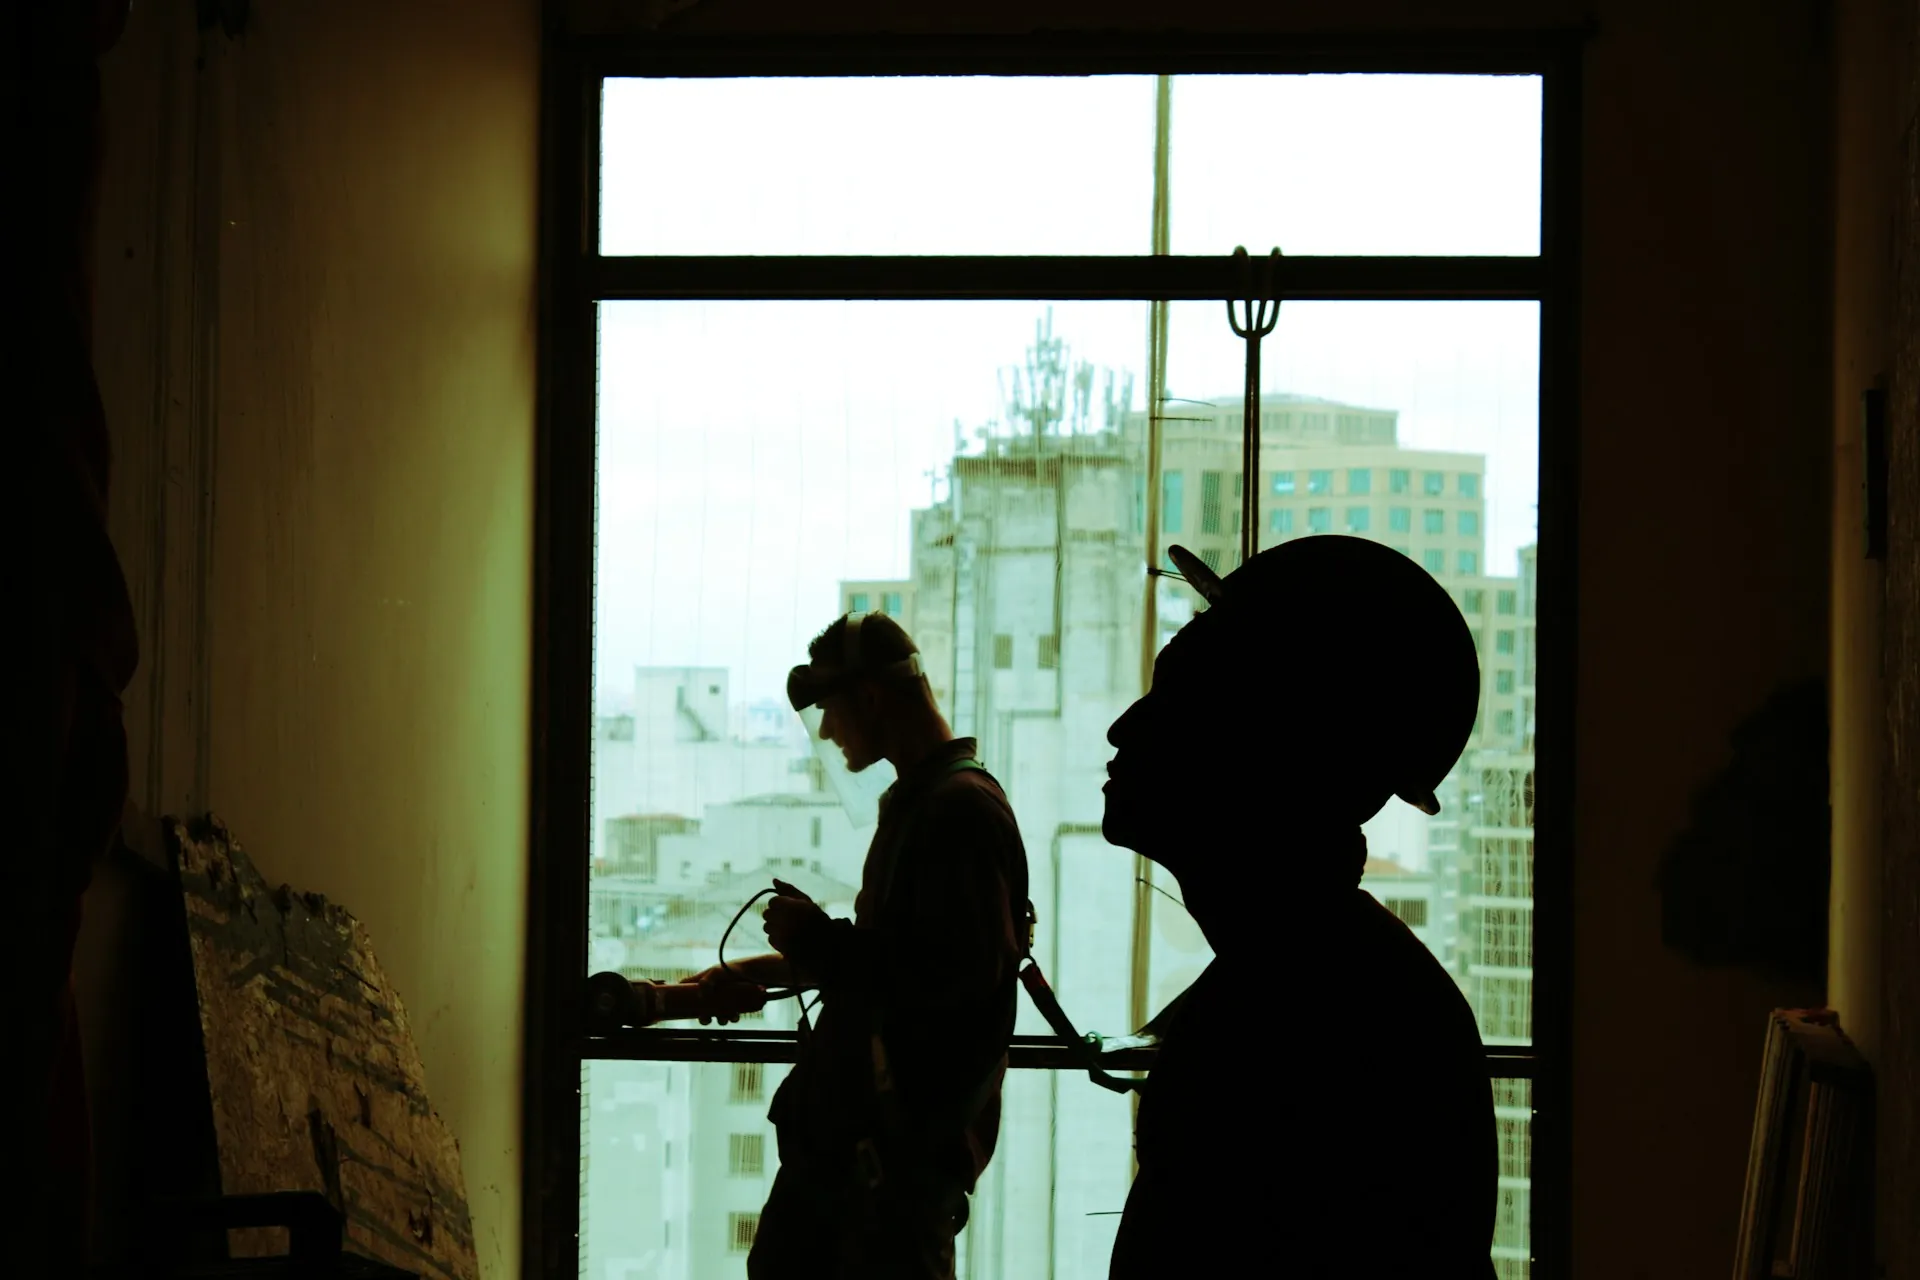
(726,991)
(790,916)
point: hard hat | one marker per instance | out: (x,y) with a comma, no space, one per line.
(1333,617)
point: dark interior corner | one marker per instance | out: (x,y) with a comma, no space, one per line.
(298,305)
(1745,885)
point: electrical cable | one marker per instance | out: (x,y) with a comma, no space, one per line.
(1162,892)
(778,993)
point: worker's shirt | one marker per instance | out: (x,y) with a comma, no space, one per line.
(1341,1123)
(930,960)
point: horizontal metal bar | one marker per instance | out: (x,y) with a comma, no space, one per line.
(1142,278)
(1040,1053)
(608,43)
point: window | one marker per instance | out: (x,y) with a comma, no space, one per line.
(1503,680)
(1319,519)
(986,456)
(1433,483)
(857,602)
(746,1155)
(1503,642)
(1210,501)
(1469,485)
(1435,560)
(1400,519)
(630,847)
(1505,1007)
(1210,556)
(1506,601)
(1432,521)
(1412,911)
(1469,563)
(1503,724)
(1473,600)
(1506,937)
(1469,524)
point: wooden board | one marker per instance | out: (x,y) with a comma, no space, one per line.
(314,1078)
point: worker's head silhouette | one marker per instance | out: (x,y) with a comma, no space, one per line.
(1326,676)
(861,674)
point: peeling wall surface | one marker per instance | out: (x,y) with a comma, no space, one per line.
(316,342)
(316,347)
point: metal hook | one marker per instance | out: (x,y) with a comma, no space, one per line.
(1262,312)
(1262,306)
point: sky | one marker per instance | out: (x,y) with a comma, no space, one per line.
(754,454)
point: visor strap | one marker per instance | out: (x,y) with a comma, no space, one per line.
(853,640)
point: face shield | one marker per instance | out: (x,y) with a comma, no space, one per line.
(808,688)
(860,792)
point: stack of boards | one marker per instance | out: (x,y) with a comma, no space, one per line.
(1806,1214)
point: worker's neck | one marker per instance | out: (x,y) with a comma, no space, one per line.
(1316,872)
(916,736)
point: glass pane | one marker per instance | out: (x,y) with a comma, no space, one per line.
(984,465)
(762,466)
(900,165)
(1413,425)
(1355,164)
(677,1160)
(1513,1228)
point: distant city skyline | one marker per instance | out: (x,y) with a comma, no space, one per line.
(723,536)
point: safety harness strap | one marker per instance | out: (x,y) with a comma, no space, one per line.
(1084,1048)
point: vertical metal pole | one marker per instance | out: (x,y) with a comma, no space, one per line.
(1250,450)
(1150,614)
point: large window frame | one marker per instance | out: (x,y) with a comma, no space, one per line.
(575,279)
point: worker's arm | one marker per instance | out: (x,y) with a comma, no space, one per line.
(772,970)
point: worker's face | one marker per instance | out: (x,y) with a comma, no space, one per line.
(849,720)
(1164,762)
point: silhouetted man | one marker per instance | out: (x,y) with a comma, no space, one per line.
(1321,1099)
(893,1109)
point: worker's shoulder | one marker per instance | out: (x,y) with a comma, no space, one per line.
(970,794)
